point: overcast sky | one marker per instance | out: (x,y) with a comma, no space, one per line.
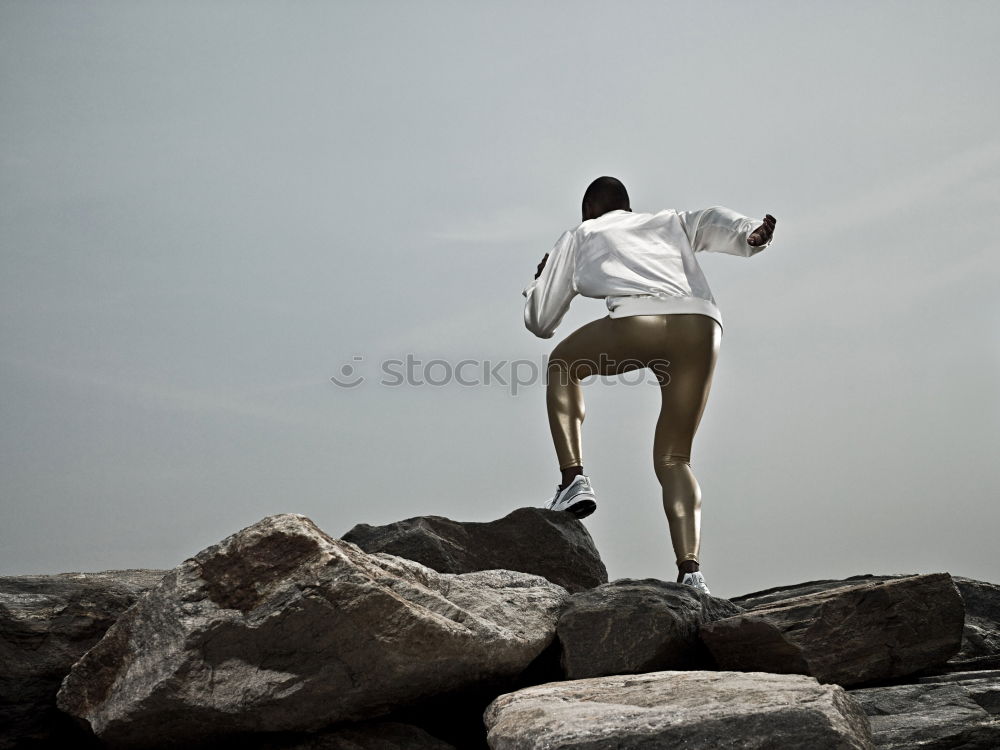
(207,209)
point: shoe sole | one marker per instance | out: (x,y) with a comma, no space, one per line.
(582,509)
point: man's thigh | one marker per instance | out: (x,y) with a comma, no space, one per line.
(694,348)
(600,347)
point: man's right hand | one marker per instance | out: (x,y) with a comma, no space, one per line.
(762,234)
(541,266)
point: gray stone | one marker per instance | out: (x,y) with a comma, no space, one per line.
(629,626)
(981,634)
(949,711)
(848,635)
(982,686)
(47,622)
(690,709)
(777,594)
(991,661)
(549,543)
(281,628)
(982,619)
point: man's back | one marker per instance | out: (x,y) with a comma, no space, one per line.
(623,254)
(643,264)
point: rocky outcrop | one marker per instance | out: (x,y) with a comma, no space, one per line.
(47,622)
(949,711)
(692,709)
(848,635)
(283,628)
(630,626)
(548,543)
(283,638)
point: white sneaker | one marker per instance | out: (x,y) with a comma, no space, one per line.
(697,580)
(577,497)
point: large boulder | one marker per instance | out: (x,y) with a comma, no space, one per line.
(629,626)
(691,709)
(848,635)
(950,711)
(552,544)
(282,628)
(47,622)
(980,636)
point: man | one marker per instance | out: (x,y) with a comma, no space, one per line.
(662,315)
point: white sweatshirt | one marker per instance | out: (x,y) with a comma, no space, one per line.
(643,264)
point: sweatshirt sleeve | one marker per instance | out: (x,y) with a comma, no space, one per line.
(720,230)
(547,298)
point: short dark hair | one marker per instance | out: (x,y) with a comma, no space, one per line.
(605,194)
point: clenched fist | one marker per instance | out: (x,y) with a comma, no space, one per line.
(762,234)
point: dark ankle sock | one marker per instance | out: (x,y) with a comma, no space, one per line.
(568,474)
(688,566)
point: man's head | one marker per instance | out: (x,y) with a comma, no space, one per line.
(604,194)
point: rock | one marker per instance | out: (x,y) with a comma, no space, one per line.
(982,619)
(367,735)
(47,622)
(848,635)
(630,626)
(980,637)
(457,716)
(770,596)
(951,711)
(281,628)
(982,686)
(690,709)
(552,544)
(964,665)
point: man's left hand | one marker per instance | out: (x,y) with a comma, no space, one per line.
(762,234)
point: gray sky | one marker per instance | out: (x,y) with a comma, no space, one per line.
(207,209)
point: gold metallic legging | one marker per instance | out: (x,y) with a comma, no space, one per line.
(681,351)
